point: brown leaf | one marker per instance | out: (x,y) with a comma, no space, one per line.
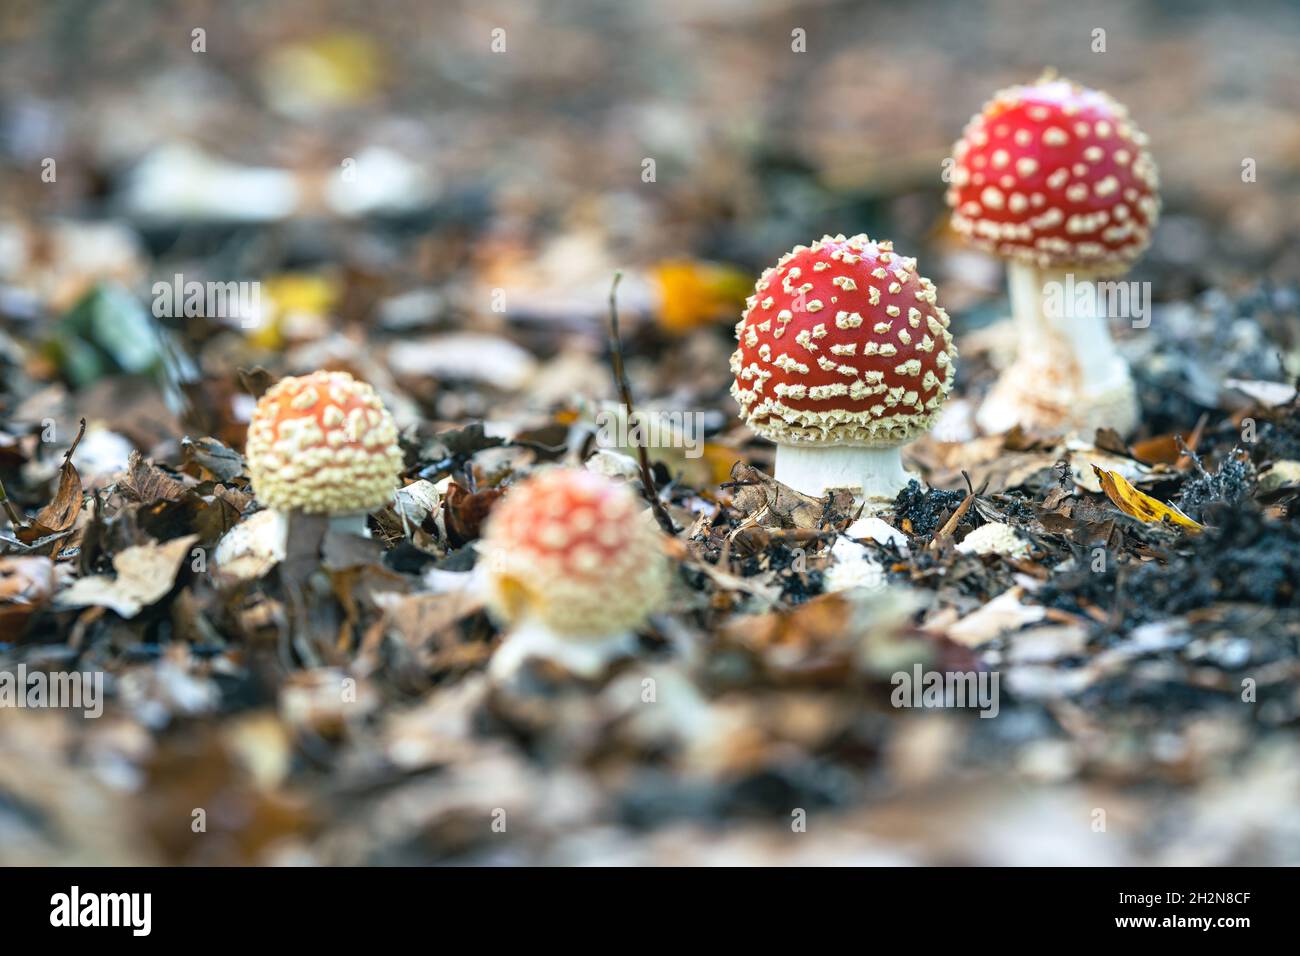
(770,504)
(466,511)
(61,513)
(420,617)
(823,620)
(1167,449)
(148,483)
(1107,439)
(145,573)
(222,462)
(255,380)
(205,771)
(26,583)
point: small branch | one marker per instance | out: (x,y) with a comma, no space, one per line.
(81,433)
(950,525)
(14,517)
(1189,452)
(625,396)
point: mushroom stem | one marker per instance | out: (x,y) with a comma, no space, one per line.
(583,656)
(278,529)
(1067,372)
(1082,327)
(875,475)
(353,523)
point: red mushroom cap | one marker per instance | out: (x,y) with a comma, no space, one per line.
(1057,175)
(842,342)
(323,443)
(576,551)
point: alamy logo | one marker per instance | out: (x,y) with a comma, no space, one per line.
(653,429)
(70,690)
(213,300)
(921,688)
(1113,300)
(134,910)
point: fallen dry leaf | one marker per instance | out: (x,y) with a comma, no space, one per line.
(1267,393)
(26,583)
(771,504)
(251,548)
(144,574)
(693,294)
(61,513)
(148,483)
(1135,504)
(1003,614)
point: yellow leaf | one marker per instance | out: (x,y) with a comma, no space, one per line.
(292,298)
(721,459)
(692,294)
(334,70)
(1135,504)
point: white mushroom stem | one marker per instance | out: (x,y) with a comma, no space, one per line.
(353,523)
(1067,373)
(585,656)
(1081,332)
(874,475)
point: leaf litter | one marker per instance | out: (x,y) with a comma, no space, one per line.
(348,665)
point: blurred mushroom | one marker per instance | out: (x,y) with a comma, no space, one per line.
(1056,179)
(995,538)
(844,357)
(573,565)
(324,444)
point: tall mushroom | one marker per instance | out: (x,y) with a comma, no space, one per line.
(844,357)
(1056,179)
(573,565)
(323,444)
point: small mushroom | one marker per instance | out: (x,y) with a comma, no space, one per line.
(573,565)
(1056,179)
(995,538)
(323,444)
(853,567)
(845,356)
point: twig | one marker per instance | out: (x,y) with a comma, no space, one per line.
(14,517)
(950,524)
(625,396)
(81,433)
(1190,454)
(1194,439)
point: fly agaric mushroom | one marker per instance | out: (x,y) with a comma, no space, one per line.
(323,444)
(844,357)
(573,566)
(1056,179)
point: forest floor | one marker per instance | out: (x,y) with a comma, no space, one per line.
(334,706)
